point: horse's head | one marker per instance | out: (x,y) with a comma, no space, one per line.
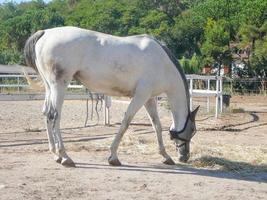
(182,138)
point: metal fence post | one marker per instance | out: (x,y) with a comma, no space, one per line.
(208,98)
(191,93)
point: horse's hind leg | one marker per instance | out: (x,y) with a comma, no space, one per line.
(46,109)
(47,97)
(53,119)
(151,108)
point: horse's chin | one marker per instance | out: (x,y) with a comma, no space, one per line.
(184,158)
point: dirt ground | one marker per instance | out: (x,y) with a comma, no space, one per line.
(228,159)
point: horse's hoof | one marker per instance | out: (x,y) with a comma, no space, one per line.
(57,159)
(67,162)
(169,161)
(114,162)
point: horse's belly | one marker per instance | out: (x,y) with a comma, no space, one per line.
(106,84)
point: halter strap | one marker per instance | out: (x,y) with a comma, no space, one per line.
(175,134)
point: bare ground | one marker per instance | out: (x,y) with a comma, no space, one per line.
(229,155)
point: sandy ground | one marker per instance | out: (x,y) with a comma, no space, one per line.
(228,159)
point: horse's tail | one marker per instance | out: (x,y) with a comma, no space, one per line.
(30,57)
(35,84)
(29,49)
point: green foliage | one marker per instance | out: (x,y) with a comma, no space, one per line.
(103,16)
(18,22)
(10,57)
(253,12)
(187,33)
(259,58)
(254,39)
(215,47)
(191,66)
(198,31)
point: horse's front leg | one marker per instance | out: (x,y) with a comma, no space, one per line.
(151,107)
(142,94)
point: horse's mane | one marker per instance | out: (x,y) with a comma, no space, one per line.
(177,65)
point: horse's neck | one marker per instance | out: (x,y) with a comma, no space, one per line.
(179,104)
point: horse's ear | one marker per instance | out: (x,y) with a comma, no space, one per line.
(194,113)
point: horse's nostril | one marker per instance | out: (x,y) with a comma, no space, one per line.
(183,149)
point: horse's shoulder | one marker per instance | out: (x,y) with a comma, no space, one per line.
(144,41)
(142,37)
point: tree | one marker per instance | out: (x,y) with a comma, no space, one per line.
(259,56)
(186,34)
(253,40)
(215,47)
(18,23)
(191,66)
(199,30)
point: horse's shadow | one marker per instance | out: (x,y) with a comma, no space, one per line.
(239,171)
(232,127)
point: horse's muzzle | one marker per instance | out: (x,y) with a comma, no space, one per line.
(184,151)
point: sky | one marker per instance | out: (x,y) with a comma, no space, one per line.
(18,1)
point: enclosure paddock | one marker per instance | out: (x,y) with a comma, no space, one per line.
(14,87)
(206,89)
(226,153)
(229,152)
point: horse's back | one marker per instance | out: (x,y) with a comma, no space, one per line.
(90,47)
(102,61)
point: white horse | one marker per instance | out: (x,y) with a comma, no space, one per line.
(136,66)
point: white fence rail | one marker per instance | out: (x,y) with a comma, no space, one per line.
(208,92)
(11,87)
(4,79)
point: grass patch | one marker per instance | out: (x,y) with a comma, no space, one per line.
(243,160)
(237,110)
(224,164)
(32,130)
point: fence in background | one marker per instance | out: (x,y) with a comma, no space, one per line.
(245,86)
(15,87)
(17,84)
(206,86)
